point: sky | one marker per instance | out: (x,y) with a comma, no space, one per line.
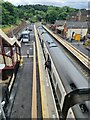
(72,3)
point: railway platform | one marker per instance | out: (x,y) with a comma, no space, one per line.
(32,95)
(47,99)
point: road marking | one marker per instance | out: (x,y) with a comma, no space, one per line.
(34,92)
(30,56)
(28,44)
(11,82)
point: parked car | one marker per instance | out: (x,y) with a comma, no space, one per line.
(25,36)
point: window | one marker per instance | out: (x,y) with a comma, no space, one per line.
(54,79)
(59,95)
(25,36)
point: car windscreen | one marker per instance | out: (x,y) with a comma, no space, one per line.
(25,36)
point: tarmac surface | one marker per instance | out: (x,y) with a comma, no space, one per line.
(22,103)
(22,107)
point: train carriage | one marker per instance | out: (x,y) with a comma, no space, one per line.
(67,80)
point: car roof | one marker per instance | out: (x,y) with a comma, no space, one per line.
(26,32)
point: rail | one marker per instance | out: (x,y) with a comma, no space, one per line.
(16,30)
(79,55)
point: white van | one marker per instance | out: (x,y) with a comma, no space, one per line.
(25,36)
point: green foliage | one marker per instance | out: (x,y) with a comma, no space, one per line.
(62,16)
(9,13)
(51,16)
(33,13)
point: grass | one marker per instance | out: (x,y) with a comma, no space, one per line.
(6,29)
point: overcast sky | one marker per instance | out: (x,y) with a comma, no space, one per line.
(71,3)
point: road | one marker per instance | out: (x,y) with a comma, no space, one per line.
(22,107)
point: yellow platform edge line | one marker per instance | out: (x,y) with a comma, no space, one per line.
(44,112)
(34,89)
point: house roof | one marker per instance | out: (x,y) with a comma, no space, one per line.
(59,22)
(76,24)
(84,12)
(15,41)
(10,41)
(72,24)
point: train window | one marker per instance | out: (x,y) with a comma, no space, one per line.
(83,108)
(59,95)
(54,78)
(42,44)
(73,86)
(52,45)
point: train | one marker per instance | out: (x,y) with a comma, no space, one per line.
(71,87)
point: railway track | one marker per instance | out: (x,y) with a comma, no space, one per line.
(46,39)
(77,59)
(85,60)
(16,30)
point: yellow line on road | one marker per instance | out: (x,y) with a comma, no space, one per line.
(34,92)
(11,83)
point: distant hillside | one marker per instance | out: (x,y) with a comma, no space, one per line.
(12,14)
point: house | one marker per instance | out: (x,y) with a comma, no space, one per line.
(59,23)
(59,26)
(68,27)
(72,16)
(76,27)
(82,15)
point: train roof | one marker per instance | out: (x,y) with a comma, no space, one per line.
(68,73)
(66,69)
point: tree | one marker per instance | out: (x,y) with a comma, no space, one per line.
(9,15)
(62,16)
(51,16)
(12,14)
